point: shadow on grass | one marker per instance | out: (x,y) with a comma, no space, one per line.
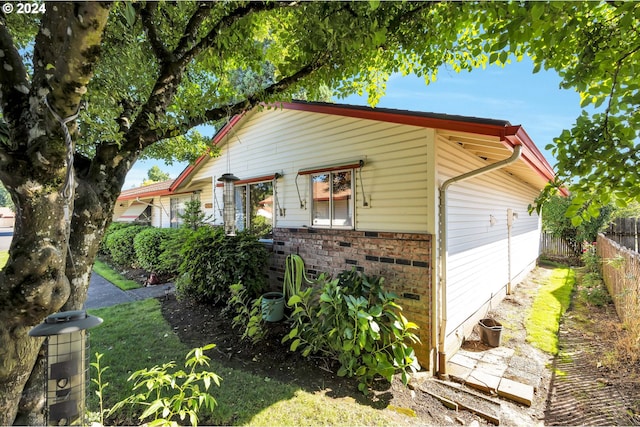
(135,336)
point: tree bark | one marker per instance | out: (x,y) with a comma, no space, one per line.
(35,281)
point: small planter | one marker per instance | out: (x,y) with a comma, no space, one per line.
(273,306)
(490,332)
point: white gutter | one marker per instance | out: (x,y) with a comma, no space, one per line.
(442,250)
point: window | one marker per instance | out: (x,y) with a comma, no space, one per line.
(332,204)
(254,208)
(177,206)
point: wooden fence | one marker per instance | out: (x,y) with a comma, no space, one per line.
(621,275)
(554,246)
(625,231)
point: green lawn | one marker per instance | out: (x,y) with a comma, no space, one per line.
(135,335)
(4,256)
(113,276)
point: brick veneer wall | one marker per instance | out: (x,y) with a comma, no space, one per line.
(403,259)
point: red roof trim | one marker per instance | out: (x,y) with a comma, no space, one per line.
(152,190)
(509,135)
(398,117)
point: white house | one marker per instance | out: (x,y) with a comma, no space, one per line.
(437,204)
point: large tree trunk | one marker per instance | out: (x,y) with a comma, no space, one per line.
(36,280)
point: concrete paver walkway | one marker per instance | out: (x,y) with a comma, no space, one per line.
(103,293)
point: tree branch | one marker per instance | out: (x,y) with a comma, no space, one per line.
(231,109)
(227,21)
(191,30)
(614,84)
(14,86)
(146,15)
(73,67)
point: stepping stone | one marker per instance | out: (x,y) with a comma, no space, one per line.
(457,372)
(503,352)
(518,392)
(494,368)
(482,381)
(463,360)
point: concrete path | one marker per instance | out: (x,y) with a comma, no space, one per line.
(103,293)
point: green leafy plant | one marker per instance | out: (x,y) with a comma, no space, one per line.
(149,245)
(120,245)
(213,262)
(112,228)
(354,321)
(100,386)
(193,217)
(169,396)
(247,313)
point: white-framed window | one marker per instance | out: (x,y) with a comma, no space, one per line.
(177,207)
(332,199)
(254,208)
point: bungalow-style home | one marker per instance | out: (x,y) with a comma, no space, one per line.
(435,203)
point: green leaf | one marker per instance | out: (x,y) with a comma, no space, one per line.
(295,299)
(294,345)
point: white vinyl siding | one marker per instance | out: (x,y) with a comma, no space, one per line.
(478,251)
(394,177)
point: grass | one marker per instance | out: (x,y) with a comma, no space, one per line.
(4,257)
(114,277)
(136,336)
(552,300)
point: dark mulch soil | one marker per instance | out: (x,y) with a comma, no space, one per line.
(199,324)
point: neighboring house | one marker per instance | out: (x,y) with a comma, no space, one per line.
(7,217)
(437,204)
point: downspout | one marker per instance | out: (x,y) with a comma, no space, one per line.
(442,252)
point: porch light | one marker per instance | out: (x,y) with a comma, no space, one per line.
(67,365)
(229,203)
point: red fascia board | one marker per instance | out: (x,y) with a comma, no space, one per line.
(399,118)
(140,195)
(509,135)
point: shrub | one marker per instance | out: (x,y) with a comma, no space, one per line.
(150,246)
(353,320)
(171,249)
(112,228)
(212,262)
(170,395)
(120,245)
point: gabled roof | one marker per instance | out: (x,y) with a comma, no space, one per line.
(506,135)
(162,188)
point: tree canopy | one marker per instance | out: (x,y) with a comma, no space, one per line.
(88,88)
(155,174)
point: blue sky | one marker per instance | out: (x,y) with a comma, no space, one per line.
(512,93)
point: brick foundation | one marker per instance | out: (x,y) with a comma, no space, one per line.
(403,259)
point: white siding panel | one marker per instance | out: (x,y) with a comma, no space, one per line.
(478,250)
(394,178)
